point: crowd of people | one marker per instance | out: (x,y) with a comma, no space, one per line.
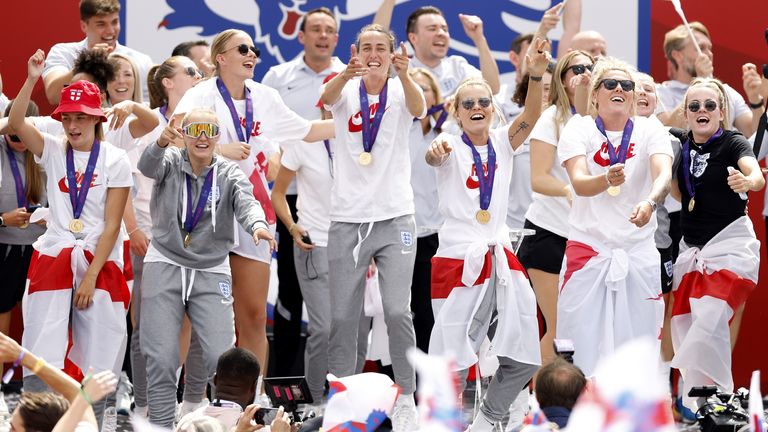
(140,219)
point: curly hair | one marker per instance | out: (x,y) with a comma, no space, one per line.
(96,64)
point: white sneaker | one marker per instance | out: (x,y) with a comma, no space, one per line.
(483,424)
(124,396)
(109,422)
(187,407)
(404,415)
(518,410)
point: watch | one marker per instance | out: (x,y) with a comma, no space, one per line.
(652,203)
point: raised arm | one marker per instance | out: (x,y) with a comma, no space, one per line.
(571,25)
(94,388)
(29,134)
(332,89)
(523,124)
(473,27)
(548,22)
(383,15)
(414,98)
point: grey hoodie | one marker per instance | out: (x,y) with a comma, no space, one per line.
(168,166)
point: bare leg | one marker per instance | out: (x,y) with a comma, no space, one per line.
(667,351)
(250,283)
(545,287)
(736,324)
(5,327)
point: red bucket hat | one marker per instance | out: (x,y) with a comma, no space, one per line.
(80,96)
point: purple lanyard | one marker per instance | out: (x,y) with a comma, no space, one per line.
(193,219)
(485,182)
(573,110)
(164,111)
(371,129)
(443,115)
(21,196)
(617,155)
(78,199)
(233,112)
(688,169)
(327,144)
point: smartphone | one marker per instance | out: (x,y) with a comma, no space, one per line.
(305,238)
(264,415)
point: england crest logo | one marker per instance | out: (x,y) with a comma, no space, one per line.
(75,94)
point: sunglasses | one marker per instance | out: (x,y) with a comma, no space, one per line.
(193,72)
(610,84)
(195,130)
(709,105)
(579,69)
(243,50)
(468,104)
(14,138)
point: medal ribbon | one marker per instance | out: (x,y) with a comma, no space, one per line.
(193,219)
(617,155)
(233,112)
(164,111)
(443,115)
(371,128)
(688,175)
(484,181)
(21,196)
(78,199)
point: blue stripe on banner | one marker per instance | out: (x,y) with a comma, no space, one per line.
(123,22)
(644,35)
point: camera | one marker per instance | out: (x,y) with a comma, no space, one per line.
(565,349)
(721,411)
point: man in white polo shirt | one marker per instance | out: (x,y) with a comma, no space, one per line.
(100,21)
(298,82)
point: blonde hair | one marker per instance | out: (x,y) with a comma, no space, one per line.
(219,45)
(722,97)
(114,60)
(479,82)
(602,68)
(675,39)
(557,94)
(199,110)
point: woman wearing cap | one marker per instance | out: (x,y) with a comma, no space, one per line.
(77,265)
(186,269)
(542,253)
(475,273)
(719,258)
(253,118)
(619,166)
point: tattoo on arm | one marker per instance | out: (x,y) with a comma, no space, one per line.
(523,126)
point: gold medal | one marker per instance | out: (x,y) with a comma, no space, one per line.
(76,226)
(483,216)
(365,158)
(614,190)
(186,240)
(691,203)
(25,225)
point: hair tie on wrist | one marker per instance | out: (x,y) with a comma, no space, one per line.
(535,78)
(9,373)
(85,396)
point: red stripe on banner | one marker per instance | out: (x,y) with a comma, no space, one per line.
(262,196)
(47,273)
(446,273)
(722,284)
(577,255)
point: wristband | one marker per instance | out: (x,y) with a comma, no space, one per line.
(652,203)
(85,396)
(39,364)
(534,78)
(756,106)
(9,373)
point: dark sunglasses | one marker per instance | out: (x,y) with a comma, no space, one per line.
(193,72)
(14,138)
(610,84)
(709,105)
(468,104)
(243,50)
(579,69)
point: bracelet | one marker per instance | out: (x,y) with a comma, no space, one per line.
(85,396)
(39,365)
(133,231)
(756,106)
(534,78)
(9,373)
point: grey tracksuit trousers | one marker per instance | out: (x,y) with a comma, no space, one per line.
(392,245)
(162,310)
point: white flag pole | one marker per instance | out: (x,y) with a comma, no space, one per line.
(679,9)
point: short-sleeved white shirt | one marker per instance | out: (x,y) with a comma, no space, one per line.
(548,212)
(112,171)
(381,190)
(451,71)
(671,93)
(313,181)
(62,57)
(459,192)
(424,182)
(604,217)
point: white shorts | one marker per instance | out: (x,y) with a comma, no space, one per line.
(245,246)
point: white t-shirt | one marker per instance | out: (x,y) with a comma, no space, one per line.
(520,192)
(504,99)
(451,71)
(62,57)
(424,182)
(548,212)
(381,190)
(459,192)
(604,217)
(112,171)
(671,93)
(313,181)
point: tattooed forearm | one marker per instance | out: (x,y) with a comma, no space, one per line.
(523,126)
